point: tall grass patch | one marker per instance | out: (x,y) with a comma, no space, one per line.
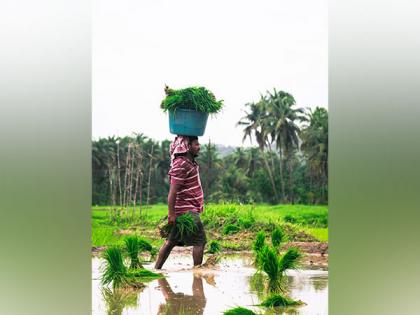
(104,236)
(319,220)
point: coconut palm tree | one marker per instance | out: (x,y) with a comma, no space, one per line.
(315,146)
(210,164)
(255,122)
(284,118)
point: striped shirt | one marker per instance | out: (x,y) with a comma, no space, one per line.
(190,195)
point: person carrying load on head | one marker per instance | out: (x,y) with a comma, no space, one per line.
(185,196)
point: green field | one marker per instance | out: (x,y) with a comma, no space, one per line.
(233,225)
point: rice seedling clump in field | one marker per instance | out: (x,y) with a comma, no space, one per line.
(276,300)
(290,260)
(214,247)
(116,272)
(144,245)
(275,266)
(259,241)
(142,275)
(133,248)
(270,265)
(239,311)
(257,246)
(277,237)
(230,229)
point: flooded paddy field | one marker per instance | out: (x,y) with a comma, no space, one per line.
(209,291)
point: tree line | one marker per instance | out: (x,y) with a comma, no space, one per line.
(288,164)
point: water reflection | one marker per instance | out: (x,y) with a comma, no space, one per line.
(118,299)
(257,284)
(180,303)
(209,292)
(319,284)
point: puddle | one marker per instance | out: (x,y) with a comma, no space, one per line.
(208,291)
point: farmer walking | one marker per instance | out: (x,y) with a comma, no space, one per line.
(185,195)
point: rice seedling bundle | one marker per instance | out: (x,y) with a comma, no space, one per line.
(270,264)
(133,248)
(290,260)
(214,247)
(184,225)
(259,241)
(257,246)
(276,300)
(142,275)
(277,237)
(230,229)
(239,311)
(275,266)
(145,245)
(195,98)
(115,270)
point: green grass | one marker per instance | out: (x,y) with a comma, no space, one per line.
(230,245)
(104,236)
(320,234)
(215,218)
(310,219)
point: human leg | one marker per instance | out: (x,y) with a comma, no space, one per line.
(164,252)
(198,251)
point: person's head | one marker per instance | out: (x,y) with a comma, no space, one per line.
(194,145)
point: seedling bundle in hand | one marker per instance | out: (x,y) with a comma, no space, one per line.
(184,227)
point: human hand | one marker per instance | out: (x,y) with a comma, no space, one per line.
(171,219)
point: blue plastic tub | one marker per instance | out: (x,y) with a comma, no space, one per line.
(187,122)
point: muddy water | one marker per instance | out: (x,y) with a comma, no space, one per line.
(188,291)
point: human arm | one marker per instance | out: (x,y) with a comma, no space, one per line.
(173,189)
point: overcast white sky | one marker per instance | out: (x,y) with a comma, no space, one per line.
(236,49)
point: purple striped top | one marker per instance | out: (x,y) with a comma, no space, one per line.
(190,196)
